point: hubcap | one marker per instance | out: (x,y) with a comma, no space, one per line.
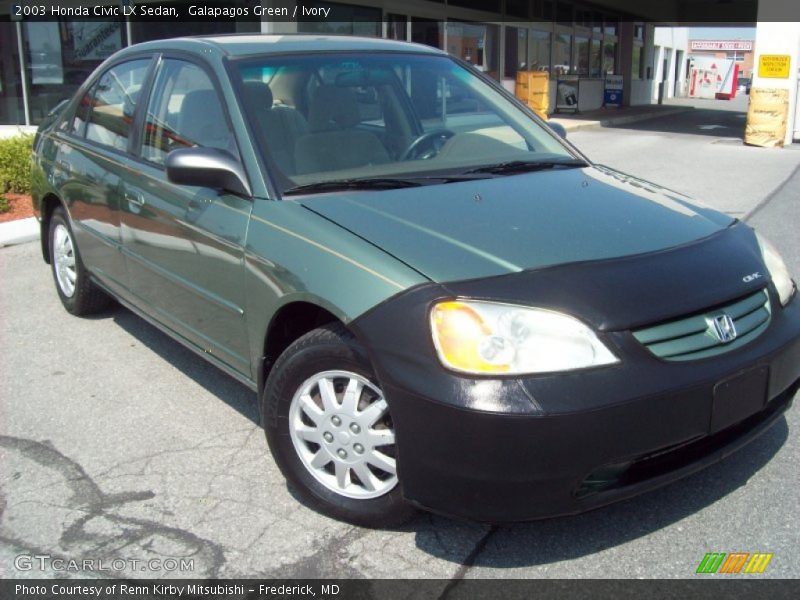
(340,426)
(64,255)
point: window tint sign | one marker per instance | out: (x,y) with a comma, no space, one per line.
(95,41)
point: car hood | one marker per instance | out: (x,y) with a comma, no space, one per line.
(502,225)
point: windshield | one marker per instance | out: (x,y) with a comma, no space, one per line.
(328,117)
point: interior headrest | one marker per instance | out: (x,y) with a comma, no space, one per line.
(258,94)
(200,118)
(333,107)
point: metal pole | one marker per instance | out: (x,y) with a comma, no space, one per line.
(129,30)
(23,75)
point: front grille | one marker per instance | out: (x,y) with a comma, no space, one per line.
(693,337)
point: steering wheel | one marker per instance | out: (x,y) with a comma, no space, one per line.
(416,149)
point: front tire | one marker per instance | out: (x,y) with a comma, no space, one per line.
(75,290)
(329,428)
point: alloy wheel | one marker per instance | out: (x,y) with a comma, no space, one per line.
(64,256)
(340,426)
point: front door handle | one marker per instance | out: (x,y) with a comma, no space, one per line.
(135,198)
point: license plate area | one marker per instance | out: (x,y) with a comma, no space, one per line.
(739,397)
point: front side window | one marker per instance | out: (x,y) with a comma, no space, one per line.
(382,115)
(184,112)
(107,111)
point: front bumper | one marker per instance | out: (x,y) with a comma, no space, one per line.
(520,449)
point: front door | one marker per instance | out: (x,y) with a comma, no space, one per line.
(184,245)
(93,160)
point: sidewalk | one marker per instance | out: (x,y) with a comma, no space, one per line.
(609,117)
(19,231)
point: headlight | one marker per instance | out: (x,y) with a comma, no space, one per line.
(491,338)
(777,270)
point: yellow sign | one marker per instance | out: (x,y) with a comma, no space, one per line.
(774,65)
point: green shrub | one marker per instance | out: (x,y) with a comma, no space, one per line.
(4,205)
(15,164)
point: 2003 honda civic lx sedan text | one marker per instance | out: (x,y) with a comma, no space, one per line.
(440,303)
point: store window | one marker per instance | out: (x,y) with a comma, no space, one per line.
(11,105)
(609,58)
(539,51)
(637,59)
(427,31)
(595,59)
(581,58)
(113,101)
(562,54)
(475,43)
(516,51)
(59,56)
(396,27)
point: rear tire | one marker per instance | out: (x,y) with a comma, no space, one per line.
(330,432)
(75,290)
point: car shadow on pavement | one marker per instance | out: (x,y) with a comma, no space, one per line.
(236,395)
(553,540)
(716,123)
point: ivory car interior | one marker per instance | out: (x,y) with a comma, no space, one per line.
(439,301)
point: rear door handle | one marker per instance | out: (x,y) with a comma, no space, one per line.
(135,198)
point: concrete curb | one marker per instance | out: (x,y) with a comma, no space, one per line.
(19,231)
(577,124)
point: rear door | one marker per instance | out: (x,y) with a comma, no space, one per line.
(92,161)
(184,245)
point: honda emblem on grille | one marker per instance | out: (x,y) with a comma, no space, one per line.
(724,328)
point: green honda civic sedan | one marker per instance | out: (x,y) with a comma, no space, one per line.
(439,301)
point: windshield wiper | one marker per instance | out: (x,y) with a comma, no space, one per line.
(369,183)
(377,183)
(525,166)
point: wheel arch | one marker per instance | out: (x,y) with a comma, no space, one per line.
(290,322)
(49,204)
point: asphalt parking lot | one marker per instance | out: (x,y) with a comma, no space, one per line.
(116,442)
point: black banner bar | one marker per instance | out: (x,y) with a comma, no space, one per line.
(703,586)
(674,13)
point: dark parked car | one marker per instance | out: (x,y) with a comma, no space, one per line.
(744,83)
(439,302)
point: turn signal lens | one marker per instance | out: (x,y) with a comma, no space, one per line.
(458,332)
(493,338)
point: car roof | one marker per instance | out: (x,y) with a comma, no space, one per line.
(253,44)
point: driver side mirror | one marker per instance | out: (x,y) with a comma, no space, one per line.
(559,129)
(207,167)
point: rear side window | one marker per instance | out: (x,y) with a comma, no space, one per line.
(107,110)
(184,111)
